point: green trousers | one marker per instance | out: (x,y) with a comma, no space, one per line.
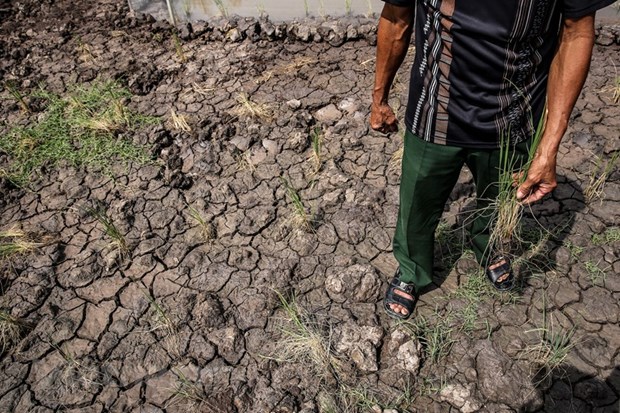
(429,173)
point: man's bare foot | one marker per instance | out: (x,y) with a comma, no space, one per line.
(400,298)
(397,308)
(500,273)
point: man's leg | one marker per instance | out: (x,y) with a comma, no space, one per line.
(429,173)
(485,166)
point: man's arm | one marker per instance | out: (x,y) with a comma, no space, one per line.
(393,36)
(567,75)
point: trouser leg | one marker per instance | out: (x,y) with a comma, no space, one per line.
(429,172)
(485,167)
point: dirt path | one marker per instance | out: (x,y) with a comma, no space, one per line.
(193,315)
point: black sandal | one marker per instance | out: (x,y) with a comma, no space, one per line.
(496,273)
(391,297)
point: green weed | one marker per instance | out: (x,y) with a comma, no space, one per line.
(300,219)
(178,48)
(575,250)
(81,129)
(17,96)
(610,235)
(207,231)
(595,272)
(110,229)
(436,336)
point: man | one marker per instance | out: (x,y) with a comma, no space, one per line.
(485,72)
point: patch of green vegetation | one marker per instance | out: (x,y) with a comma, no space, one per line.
(575,250)
(117,239)
(83,128)
(609,236)
(595,272)
(436,336)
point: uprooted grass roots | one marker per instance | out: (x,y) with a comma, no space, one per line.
(250,109)
(507,208)
(82,128)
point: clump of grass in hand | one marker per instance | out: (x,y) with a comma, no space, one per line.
(207,231)
(317,144)
(10,331)
(507,208)
(300,218)
(598,177)
(109,228)
(81,129)
(19,98)
(250,109)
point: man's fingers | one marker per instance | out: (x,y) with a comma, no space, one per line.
(524,190)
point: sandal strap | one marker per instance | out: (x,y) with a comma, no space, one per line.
(495,273)
(407,288)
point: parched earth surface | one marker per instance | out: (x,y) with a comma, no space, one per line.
(191,317)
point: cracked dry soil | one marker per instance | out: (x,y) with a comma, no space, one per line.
(180,322)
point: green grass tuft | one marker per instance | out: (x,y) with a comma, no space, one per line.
(82,128)
(610,235)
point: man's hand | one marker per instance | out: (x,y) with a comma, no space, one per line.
(393,36)
(382,118)
(540,181)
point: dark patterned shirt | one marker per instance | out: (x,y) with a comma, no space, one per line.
(481,67)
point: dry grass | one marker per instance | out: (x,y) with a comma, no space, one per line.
(14,241)
(306,341)
(598,177)
(179,122)
(10,331)
(244,161)
(249,109)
